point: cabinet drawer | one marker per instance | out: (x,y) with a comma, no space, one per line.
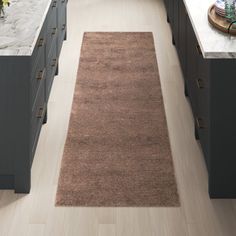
(171,11)
(175,23)
(62,12)
(38,77)
(182,36)
(52,28)
(191,66)
(39,47)
(202,86)
(37,116)
(52,62)
(202,93)
(202,126)
(61,23)
(202,119)
(203,69)
(197,79)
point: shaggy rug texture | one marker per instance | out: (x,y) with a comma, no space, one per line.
(117,151)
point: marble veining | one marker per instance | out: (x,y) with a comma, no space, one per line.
(24,18)
(21,26)
(213,43)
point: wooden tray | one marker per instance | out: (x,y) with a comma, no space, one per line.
(220,22)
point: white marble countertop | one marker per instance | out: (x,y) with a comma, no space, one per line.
(213,43)
(21,26)
(24,18)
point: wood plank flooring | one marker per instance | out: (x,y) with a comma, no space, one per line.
(36,215)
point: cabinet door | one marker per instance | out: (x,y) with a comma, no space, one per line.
(191,66)
(182,36)
(170,11)
(52,61)
(197,80)
(202,116)
(175,22)
(61,23)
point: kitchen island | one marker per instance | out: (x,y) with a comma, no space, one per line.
(31,37)
(208,61)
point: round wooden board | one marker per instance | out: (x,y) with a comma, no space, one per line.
(219,22)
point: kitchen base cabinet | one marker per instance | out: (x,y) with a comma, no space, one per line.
(166,2)
(222,129)
(62,24)
(191,66)
(45,119)
(210,86)
(175,22)
(25,87)
(182,32)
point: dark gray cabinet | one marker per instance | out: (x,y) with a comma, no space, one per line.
(211,88)
(166,2)
(191,66)
(182,35)
(175,22)
(25,84)
(202,104)
(62,25)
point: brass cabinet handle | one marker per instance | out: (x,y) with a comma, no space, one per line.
(54,62)
(41,112)
(200,123)
(200,83)
(63,27)
(41,42)
(54,31)
(54,4)
(199,51)
(41,74)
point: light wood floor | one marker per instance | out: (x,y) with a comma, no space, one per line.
(35,214)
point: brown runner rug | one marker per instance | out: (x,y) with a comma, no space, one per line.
(117,151)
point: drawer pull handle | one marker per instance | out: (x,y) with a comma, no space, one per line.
(63,1)
(41,74)
(54,62)
(54,31)
(63,27)
(41,43)
(200,83)
(199,51)
(200,123)
(41,112)
(54,4)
